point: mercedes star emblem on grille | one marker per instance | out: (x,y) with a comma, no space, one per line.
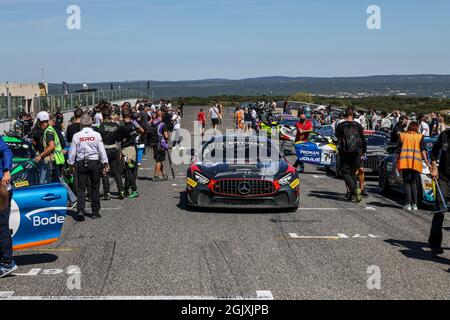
(244,188)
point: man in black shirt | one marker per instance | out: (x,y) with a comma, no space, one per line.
(440,158)
(398,128)
(180,107)
(352,147)
(59,120)
(74,127)
(128,134)
(109,130)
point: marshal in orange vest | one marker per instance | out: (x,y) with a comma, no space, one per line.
(410,156)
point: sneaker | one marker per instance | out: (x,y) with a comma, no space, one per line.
(134,194)
(165,178)
(407,207)
(6,269)
(414,207)
(126,193)
(106,196)
(364,194)
(96,215)
(348,195)
(80,216)
(158,179)
(121,195)
(358,197)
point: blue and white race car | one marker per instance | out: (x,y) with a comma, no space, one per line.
(38,211)
(317,150)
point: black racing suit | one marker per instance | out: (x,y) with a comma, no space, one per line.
(128,135)
(440,153)
(109,131)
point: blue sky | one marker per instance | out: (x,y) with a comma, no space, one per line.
(198,39)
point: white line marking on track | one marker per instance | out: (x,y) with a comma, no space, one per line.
(6,294)
(339,236)
(264,295)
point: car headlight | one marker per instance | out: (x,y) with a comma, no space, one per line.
(286,179)
(200,178)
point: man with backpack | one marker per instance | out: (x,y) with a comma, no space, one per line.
(159,135)
(352,146)
(214,115)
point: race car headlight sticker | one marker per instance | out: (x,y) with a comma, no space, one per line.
(191,182)
(201,178)
(295,183)
(286,179)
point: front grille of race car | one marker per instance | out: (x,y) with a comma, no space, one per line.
(244,187)
(372,162)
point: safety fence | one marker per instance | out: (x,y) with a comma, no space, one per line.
(69,102)
(10,107)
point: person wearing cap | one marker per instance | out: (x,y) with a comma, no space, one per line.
(86,154)
(7,264)
(51,155)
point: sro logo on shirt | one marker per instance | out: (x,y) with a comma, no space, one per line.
(87,139)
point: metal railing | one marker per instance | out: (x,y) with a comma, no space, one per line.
(72,101)
(11,109)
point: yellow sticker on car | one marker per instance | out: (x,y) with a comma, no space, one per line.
(21,184)
(295,183)
(191,182)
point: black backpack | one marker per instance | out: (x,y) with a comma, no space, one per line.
(152,135)
(352,142)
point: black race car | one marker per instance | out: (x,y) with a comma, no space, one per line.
(241,172)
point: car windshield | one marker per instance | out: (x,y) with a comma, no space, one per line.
(326,131)
(376,140)
(240,150)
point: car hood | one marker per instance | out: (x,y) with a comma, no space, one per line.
(219,171)
(376,150)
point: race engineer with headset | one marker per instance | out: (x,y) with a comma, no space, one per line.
(86,153)
(7,264)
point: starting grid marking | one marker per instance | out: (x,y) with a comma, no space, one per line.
(260,295)
(337,237)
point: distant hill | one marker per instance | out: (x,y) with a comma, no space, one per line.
(388,85)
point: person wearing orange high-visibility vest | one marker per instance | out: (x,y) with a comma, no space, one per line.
(411,153)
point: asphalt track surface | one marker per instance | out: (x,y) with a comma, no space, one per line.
(152,247)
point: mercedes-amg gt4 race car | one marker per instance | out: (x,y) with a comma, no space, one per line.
(241,172)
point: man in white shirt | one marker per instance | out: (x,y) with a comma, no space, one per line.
(98,118)
(214,116)
(424,127)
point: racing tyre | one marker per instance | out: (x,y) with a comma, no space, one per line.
(383,180)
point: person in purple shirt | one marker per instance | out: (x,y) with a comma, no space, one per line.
(7,264)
